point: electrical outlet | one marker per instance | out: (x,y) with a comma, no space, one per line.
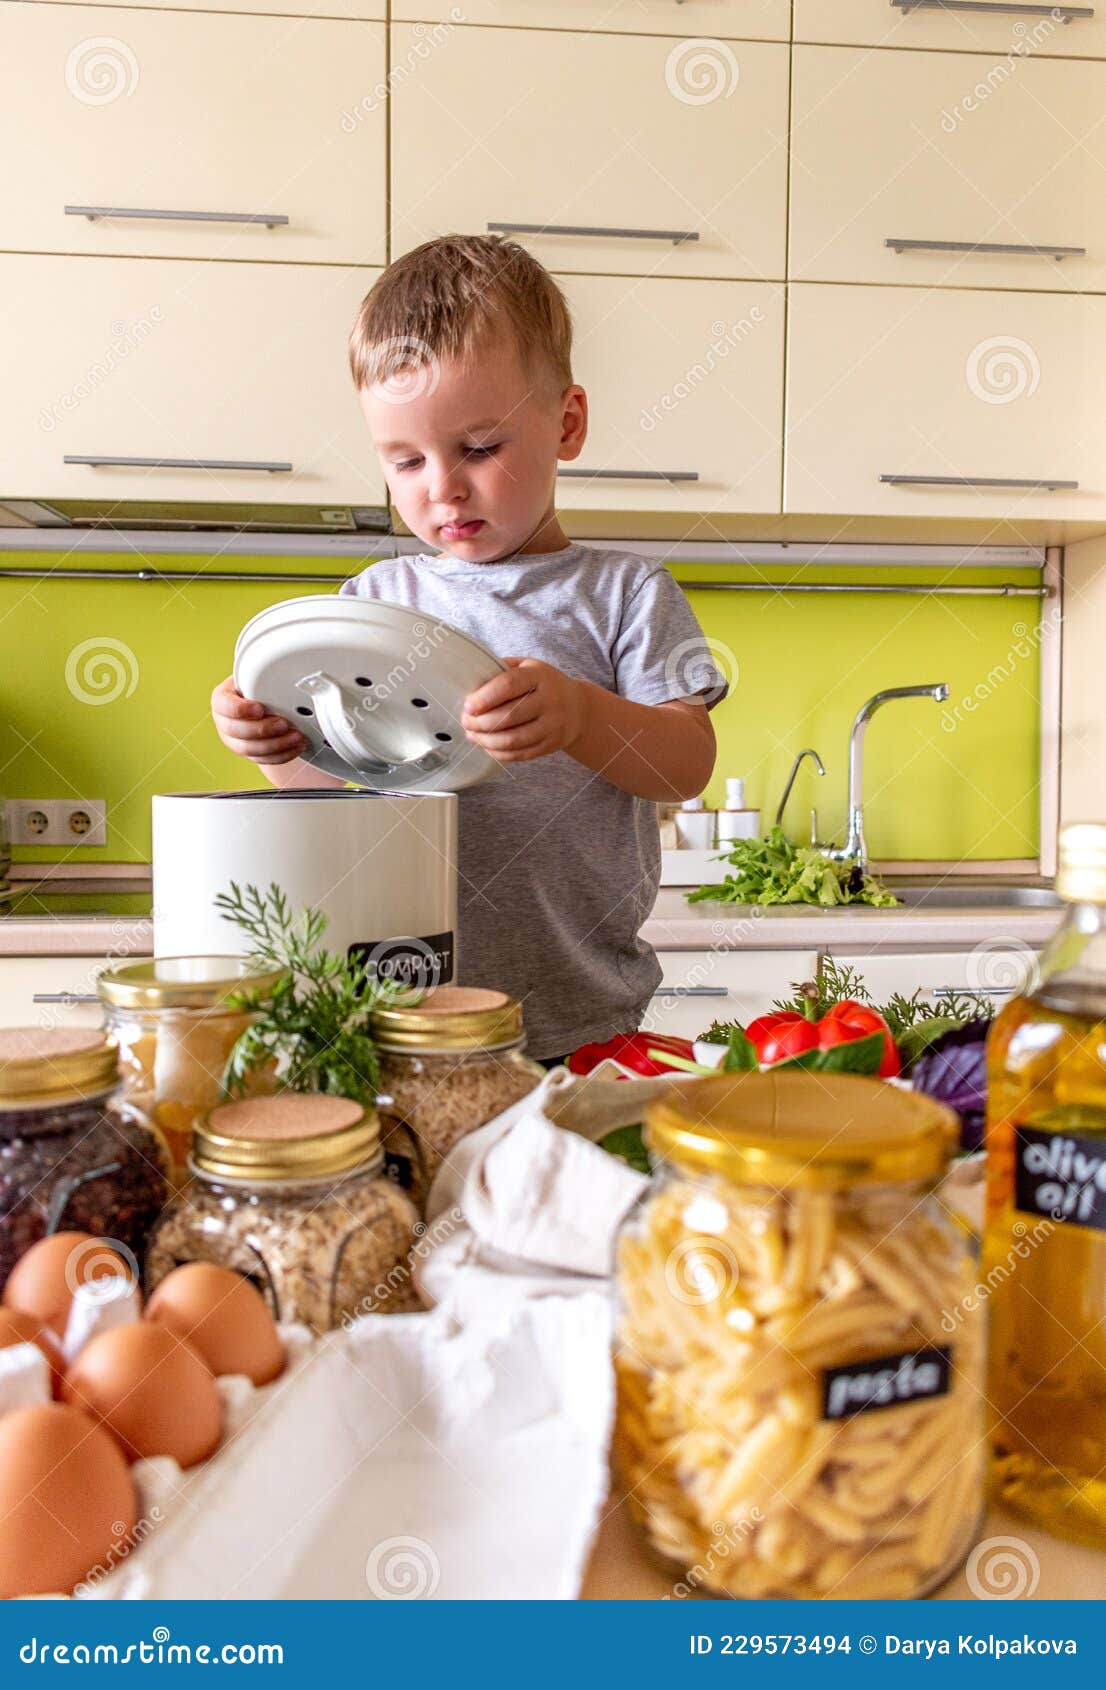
(58,821)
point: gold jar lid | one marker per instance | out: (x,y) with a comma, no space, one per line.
(184,982)
(450,1018)
(55,1064)
(1081,871)
(814,1131)
(290,1136)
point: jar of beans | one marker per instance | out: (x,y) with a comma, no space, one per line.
(449,1064)
(289,1190)
(175,1020)
(73,1155)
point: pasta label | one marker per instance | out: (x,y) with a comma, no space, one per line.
(885,1382)
(1061,1176)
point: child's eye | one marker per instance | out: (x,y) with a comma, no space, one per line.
(482,451)
(408,463)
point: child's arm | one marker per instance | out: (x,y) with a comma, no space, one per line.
(661,751)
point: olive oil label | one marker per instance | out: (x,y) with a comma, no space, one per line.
(1062,1176)
(408,959)
(885,1382)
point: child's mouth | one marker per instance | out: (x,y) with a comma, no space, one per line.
(461,530)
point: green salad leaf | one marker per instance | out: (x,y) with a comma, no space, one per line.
(774,871)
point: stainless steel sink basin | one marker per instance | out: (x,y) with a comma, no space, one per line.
(958,895)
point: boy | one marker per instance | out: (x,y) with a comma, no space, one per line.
(461,358)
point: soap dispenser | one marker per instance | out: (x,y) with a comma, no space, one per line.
(735,821)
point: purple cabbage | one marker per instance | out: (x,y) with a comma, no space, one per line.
(953,1069)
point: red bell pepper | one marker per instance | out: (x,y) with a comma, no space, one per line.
(786,1034)
(630,1050)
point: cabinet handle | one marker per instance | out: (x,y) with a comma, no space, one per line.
(1020,249)
(1050,485)
(692,992)
(676,236)
(65,997)
(1003,7)
(97,459)
(271,219)
(628,474)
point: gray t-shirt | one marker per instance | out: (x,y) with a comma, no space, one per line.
(558,868)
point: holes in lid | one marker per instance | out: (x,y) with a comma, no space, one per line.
(446,738)
(362,681)
(304,710)
(420,703)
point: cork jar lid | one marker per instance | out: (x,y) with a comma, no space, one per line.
(291,1135)
(55,1064)
(450,1018)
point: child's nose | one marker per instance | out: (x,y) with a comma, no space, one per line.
(447,482)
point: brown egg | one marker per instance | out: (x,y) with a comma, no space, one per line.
(67,1503)
(43,1280)
(222,1316)
(151,1390)
(19,1328)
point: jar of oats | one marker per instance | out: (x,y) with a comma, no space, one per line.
(290,1191)
(448,1065)
(175,1028)
(799,1348)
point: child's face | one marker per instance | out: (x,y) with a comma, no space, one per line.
(470,453)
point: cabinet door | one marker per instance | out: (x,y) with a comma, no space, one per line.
(897,147)
(637,137)
(23,978)
(976,404)
(701,987)
(295,9)
(208,363)
(201,116)
(685,396)
(997,969)
(753,20)
(1013,31)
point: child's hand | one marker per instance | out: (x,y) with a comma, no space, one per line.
(245,728)
(531,711)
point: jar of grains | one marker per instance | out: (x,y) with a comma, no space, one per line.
(73,1155)
(175,1028)
(799,1354)
(289,1190)
(448,1065)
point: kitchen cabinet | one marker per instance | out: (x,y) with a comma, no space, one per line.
(293,9)
(1012,31)
(24,977)
(212,117)
(939,386)
(753,20)
(996,969)
(885,147)
(595,133)
(226,368)
(684,382)
(703,986)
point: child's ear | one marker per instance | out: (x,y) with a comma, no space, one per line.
(574,423)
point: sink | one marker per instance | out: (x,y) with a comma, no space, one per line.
(958,895)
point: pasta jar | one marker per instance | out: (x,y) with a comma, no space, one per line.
(289,1190)
(449,1064)
(175,1029)
(799,1353)
(73,1155)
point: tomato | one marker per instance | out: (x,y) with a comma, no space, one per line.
(776,1038)
(851,1020)
(629,1050)
(786,1034)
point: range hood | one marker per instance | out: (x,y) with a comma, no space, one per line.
(185,516)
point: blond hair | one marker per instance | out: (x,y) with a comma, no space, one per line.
(448,298)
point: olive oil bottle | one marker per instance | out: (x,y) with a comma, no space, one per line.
(1045,1247)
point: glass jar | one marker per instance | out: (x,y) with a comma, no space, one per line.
(73,1155)
(799,1354)
(449,1064)
(289,1190)
(1045,1247)
(175,1030)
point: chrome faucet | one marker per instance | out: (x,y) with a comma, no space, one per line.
(795,767)
(855,850)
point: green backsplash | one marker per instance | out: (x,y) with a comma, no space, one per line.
(104,693)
